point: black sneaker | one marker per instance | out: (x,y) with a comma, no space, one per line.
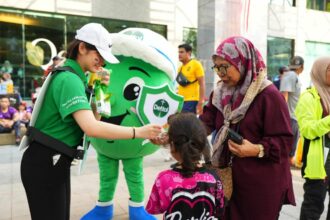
(174,165)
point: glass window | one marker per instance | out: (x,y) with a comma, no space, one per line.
(43,40)
(190,37)
(313,50)
(11,50)
(321,5)
(279,52)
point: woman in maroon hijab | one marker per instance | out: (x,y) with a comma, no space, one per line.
(247,102)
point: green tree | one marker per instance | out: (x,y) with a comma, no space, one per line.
(190,37)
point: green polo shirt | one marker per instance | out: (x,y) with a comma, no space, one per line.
(64,96)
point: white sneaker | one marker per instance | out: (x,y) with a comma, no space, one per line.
(74,162)
(167,159)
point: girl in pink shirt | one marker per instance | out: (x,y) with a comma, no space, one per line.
(189,190)
(24,115)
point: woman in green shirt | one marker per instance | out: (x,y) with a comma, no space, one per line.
(65,115)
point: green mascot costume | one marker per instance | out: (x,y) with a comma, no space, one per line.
(146,59)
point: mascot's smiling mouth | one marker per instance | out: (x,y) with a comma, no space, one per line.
(115,120)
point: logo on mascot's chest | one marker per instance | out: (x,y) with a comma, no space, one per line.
(156,104)
(161,108)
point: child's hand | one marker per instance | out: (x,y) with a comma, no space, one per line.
(161,139)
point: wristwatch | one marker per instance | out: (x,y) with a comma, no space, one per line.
(261,151)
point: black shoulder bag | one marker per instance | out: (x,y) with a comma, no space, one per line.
(35,134)
(182,80)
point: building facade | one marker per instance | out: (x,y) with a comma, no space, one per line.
(33,31)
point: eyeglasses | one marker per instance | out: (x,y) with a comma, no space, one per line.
(221,70)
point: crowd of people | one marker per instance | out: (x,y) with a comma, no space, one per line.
(11,79)
(14,112)
(268,116)
(64,116)
(12,119)
(245,101)
(309,117)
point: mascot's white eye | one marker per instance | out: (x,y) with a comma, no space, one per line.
(132,88)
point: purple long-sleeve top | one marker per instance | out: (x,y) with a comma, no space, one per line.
(260,185)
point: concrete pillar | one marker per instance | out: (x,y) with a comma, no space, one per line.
(206,39)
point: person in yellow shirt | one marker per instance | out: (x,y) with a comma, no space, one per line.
(192,70)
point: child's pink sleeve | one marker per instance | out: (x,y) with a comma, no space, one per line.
(153,206)
(158,201)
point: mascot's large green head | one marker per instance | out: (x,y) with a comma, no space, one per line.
(146,59)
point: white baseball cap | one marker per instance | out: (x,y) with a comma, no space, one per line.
(96,35)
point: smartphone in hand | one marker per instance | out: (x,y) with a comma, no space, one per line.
(234,136)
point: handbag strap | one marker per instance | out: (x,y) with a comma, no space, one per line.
(180,71)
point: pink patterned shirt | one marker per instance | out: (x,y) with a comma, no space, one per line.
(197,197)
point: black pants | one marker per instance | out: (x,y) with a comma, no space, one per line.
(314,196)
(315,192)
(47,182)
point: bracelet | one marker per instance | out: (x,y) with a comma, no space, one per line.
(261,153)
(133,133)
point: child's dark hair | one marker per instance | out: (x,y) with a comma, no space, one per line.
(72,51)
(187,135)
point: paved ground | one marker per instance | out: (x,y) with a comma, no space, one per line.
(13,203)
